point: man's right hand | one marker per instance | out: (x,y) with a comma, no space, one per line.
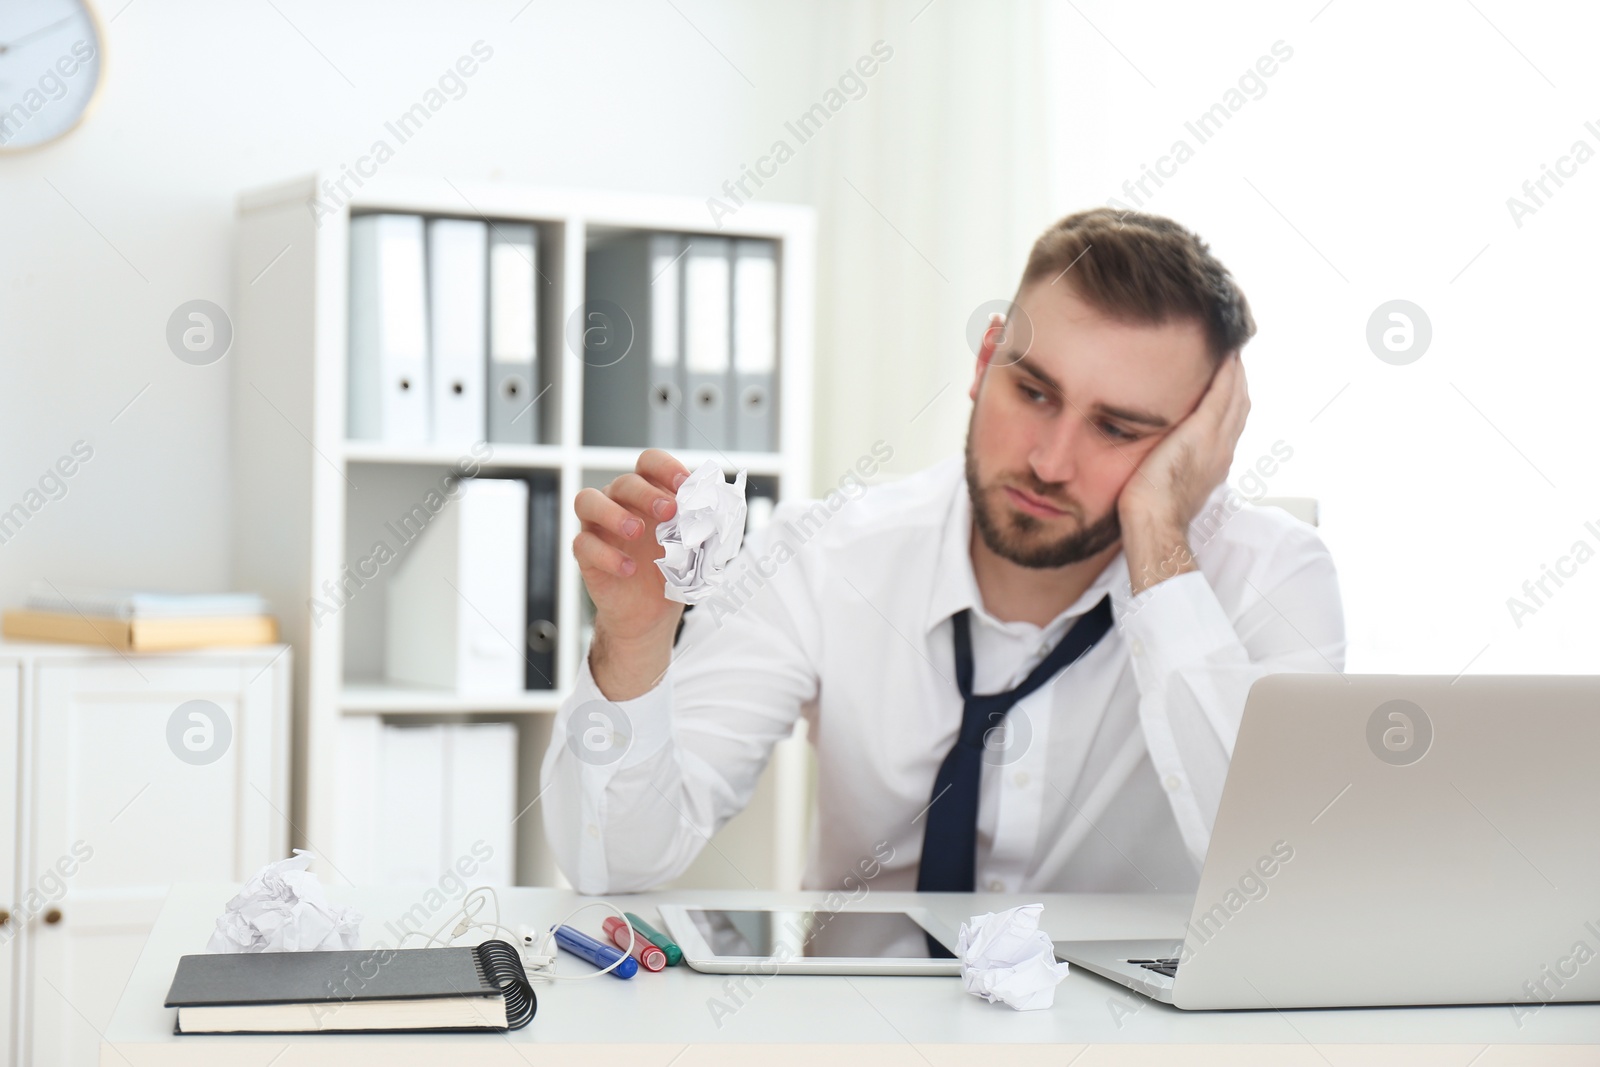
(616,550)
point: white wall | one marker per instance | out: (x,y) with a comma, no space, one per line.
(1377,165)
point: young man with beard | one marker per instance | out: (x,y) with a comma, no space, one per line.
(1021,673)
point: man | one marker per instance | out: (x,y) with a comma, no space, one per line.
(1024,674)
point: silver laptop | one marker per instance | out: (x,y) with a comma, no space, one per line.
(1393,840)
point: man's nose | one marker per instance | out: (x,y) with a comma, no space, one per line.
(1055,455)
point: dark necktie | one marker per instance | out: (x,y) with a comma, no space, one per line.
(950,840)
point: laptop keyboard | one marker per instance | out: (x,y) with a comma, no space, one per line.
(1168,967)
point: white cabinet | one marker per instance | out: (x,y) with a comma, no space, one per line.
(10,921)
(134,772)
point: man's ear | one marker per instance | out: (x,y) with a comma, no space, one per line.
(991,338)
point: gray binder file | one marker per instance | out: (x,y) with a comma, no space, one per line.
(753,390)
(457,305)
(513,333)
(544,564)
(388,359)
(707,329)
(632,375)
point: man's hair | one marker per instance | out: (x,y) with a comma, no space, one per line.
(1143,269)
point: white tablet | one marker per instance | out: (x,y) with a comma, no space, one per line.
(811,940)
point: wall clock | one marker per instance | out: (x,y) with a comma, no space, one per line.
(52,61)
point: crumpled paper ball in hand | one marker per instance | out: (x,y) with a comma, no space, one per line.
(703,535)
(1006,957)
(283,908)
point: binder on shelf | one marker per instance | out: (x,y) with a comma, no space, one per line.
(513,333)
(388,357)
(541,636)
(753,390)
(457,600)
(457,306)
(666,396)
(633,389)
(544,558)
(706,341)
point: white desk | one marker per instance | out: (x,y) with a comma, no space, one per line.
(664,1018)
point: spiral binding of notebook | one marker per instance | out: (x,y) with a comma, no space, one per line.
(501,965)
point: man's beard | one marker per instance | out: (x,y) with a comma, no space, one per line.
(1006,535)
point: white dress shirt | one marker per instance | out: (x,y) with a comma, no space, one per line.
(1107,778)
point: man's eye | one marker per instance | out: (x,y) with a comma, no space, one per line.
(1117,432)
(1031,393)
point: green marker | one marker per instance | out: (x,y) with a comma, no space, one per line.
(656,938)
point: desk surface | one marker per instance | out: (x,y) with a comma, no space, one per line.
(667,1017)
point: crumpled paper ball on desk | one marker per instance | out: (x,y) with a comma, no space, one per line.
(1005,957)
(283,908)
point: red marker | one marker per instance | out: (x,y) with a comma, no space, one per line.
(649,957)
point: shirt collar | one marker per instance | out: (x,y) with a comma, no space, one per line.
(955,587)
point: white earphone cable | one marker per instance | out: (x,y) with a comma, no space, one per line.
(540,964)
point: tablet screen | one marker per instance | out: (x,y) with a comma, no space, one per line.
(817,934)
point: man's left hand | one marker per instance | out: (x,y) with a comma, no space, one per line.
(1175,478)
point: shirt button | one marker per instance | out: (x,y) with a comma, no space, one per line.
(1137,646)
(1173,783)
(594,831)
(996,886)
(1021,778)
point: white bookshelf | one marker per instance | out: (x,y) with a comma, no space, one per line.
(305,495)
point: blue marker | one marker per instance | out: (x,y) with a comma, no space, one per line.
(596,952)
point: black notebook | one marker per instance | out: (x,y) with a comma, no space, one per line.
(478,987)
